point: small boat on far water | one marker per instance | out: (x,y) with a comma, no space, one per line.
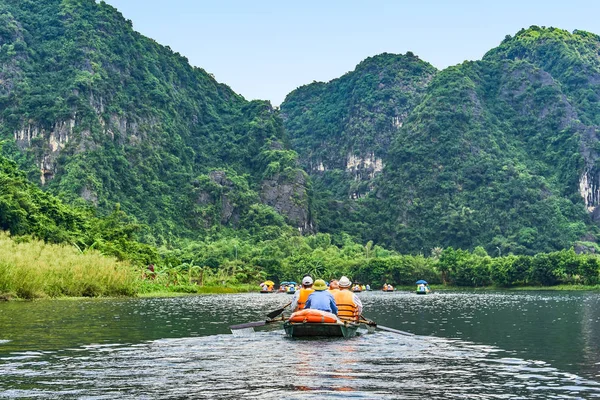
(311,323)
(423,287)
(388,288)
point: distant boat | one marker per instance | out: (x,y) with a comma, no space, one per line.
(422,287)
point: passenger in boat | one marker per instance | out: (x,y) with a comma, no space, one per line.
(334,286)
(321,298)
(349,305)
(301,295)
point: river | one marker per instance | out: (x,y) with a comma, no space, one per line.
(508,345)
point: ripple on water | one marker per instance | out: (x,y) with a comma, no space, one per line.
(265,364)
(178,348)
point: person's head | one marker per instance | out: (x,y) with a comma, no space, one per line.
(307,281)
(333,284)
(344,282)
(320,285)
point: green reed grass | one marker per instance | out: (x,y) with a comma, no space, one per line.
(35,269)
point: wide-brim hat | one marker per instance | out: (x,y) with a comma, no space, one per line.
(320,285)
(344,282)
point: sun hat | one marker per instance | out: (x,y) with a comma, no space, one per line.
(344,282)
(307,280)
(320,285)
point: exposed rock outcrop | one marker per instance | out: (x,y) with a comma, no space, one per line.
(289,196)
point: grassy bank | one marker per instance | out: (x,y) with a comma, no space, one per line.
(31,269)
(149,289)
(34,269)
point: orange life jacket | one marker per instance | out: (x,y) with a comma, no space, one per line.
(304,293)
(347,309)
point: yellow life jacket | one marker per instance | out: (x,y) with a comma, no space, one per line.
(347,309)
(304,293)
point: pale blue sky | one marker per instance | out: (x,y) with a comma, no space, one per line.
(266,49)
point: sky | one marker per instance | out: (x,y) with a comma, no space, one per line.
(264,49)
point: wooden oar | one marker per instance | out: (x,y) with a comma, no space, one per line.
(255,323)
(383,328)
(275,313)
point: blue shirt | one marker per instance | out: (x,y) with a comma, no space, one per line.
(321,300)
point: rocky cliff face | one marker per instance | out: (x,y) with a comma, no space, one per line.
(345,127)
(289,196)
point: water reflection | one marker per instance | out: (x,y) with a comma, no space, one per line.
(381,365)
(468,345)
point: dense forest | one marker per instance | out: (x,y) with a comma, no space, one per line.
(112,144)
(499,153)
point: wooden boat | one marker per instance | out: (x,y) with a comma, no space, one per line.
(311,323)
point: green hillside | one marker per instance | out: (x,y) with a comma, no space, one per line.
(499,153)
(103,115)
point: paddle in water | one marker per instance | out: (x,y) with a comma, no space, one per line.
(270,319)
(369,322)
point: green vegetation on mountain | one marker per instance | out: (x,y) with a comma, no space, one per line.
(111,116)
(117,154)
(492,156)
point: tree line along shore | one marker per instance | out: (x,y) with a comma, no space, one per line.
(31,268)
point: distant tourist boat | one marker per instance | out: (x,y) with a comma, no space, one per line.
(423,287)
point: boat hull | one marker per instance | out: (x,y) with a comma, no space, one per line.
(320,329)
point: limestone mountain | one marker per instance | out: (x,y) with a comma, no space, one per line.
(99,114)
(343,129)
(347,125)
(499,153)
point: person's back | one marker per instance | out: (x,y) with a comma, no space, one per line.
(348,303)
(300,296)
(321,298)
(345,303)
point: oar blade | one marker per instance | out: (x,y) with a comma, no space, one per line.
(385,328)
(248,325)
(373,324)
(275,313)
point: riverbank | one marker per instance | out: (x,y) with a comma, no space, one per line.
(445,288)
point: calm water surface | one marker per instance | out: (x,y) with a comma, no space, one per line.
(532,345)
